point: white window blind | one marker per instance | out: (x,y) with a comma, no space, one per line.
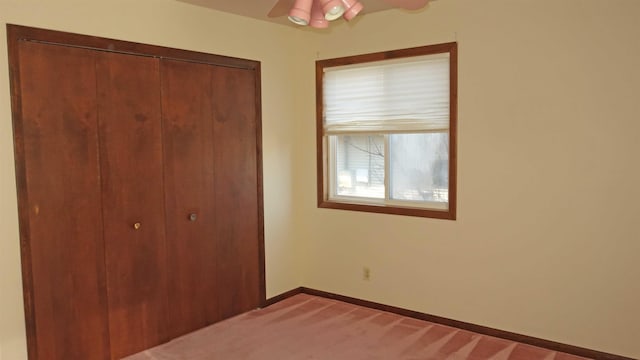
(392,96)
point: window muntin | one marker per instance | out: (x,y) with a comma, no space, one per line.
(386,130)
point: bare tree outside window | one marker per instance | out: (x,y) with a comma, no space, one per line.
(360,165)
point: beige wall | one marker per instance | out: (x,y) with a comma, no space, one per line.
(174,24)
(547,237)
(545,242)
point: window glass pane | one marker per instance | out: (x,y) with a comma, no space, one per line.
(359,165)
(419,166)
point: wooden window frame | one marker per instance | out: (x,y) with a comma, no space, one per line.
(322,156)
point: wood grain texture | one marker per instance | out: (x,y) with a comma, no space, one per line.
(132,191)
(13,46)
(257,91)
(119,274)
(61,200)
(127,47)
(237,219)
(187,104)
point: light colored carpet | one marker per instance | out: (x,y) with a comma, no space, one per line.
(309,327)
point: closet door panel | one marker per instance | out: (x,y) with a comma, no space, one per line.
(189,182)
(132,184)
(60,199)
(236,190)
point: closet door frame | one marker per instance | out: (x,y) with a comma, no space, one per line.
(18,33)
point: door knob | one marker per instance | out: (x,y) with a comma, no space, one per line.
(193,217)
(137,225)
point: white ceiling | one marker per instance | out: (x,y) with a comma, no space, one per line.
(258,9)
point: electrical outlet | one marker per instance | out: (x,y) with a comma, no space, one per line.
(366,273)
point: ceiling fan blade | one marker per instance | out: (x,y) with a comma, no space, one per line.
(408,4)
(281,8)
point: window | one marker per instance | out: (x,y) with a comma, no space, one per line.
(386,132)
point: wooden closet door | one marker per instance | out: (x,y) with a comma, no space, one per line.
(237,192)
(132,185)
(60,202)
(187,104)
(211,171)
